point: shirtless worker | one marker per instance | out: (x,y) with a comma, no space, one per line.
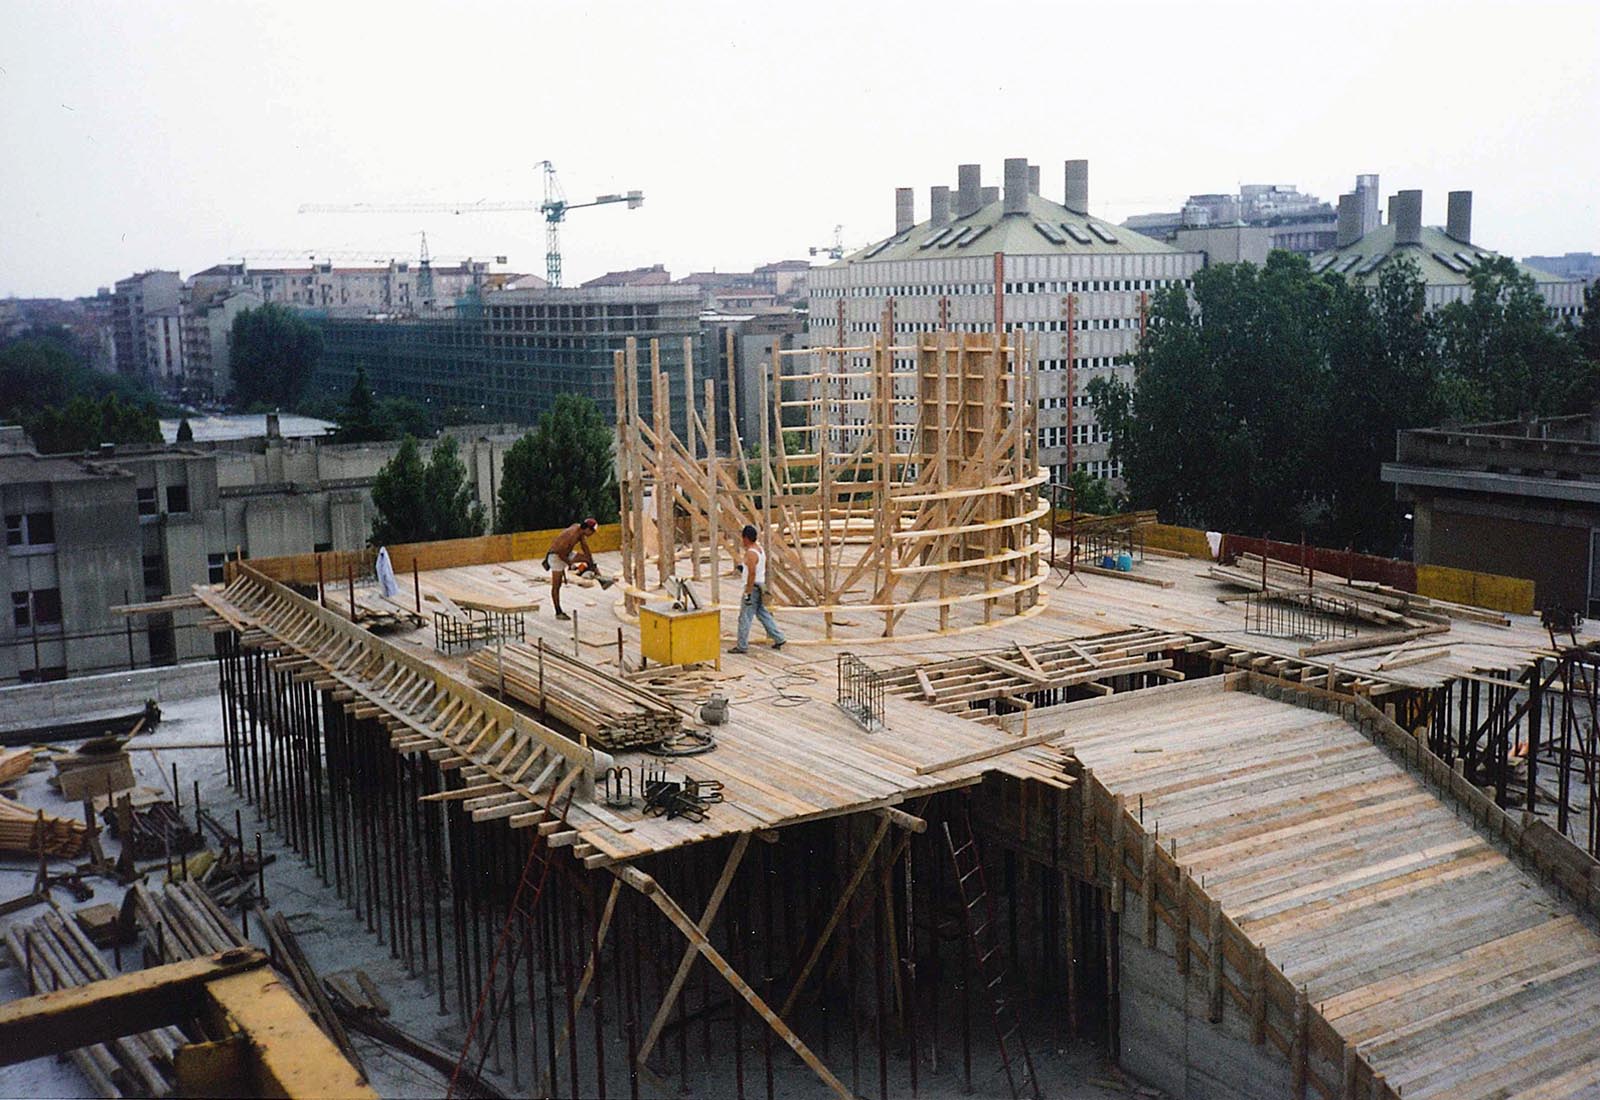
(560,555)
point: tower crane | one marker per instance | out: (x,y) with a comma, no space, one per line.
(554,207)
(834,251)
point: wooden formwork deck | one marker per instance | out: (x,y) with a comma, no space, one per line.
(1452,970)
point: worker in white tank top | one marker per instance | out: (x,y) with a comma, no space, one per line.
(754,605)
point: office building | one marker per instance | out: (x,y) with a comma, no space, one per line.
(1076,285)
(1444,255)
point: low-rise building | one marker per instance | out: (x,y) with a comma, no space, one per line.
(1584,266)
(133,524)
(1518,497)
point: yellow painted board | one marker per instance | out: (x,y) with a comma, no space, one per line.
(1490,590)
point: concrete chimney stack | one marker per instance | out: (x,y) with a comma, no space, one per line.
(905,206)
(1406,210)
(1033,179)
(1458,222)
(1349,229)
(990,194)
(939,212)
(1077,186)
(1016,185)
(969,192)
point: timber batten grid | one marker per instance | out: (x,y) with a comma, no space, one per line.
(1321,838)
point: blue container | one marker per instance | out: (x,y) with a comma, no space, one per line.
(1108,562)
(1125,563)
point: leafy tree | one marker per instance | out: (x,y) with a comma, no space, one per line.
(1268,403)
(1091,494)
(447,494)
(1589,326)
(274,352)
(1504,355)
(185,431)
(359,419)
(399,498)
(401,416)
(559,472)
(39,371)
(84,423)
(419,502)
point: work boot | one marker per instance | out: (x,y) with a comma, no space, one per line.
(606,582)
(736,649)
(563,616)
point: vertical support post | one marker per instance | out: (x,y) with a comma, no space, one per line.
(624,472)
(713,514)
(666,540)
(689,439)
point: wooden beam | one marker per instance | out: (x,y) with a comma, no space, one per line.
(686,964)
(838,913)
(673,912)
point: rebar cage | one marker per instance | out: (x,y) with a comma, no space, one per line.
(860,692)
(477,627)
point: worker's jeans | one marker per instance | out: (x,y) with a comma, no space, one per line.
(754,607)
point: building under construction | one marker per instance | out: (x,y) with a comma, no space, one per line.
(1265,826)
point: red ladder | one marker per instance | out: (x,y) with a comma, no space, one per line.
(535,872)
(978,918)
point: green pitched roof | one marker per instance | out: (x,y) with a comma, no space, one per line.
(1441,259)
(1048,228)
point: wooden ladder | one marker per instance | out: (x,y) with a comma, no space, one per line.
(983,946)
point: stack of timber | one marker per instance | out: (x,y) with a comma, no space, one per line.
(24,829)
(182,922)
(53,953)
(14,764)
(1379,603)
(606,709)
(968,684)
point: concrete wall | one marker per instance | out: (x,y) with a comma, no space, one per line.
(1166,1038)
(83,697)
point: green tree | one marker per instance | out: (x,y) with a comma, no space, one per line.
(359,419)
(185,431)
(1090,494)
(560,472)
(401,416)
(84,423)
(274,351)
(422,502)
(40,371)
(1504,356)
(1589,325)
(447,494)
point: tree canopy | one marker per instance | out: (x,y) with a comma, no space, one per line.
(560,472)
(84,423)
(185,432)
(274,351)
(44,369)
(1268,402)
(364,418)
(422,502)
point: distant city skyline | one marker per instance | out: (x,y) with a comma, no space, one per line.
(168,135)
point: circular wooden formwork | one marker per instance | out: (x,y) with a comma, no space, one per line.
(905,488)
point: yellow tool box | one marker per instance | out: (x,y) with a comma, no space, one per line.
(668,636)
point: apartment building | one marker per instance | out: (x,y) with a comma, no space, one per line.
(1076,285)
(133,301)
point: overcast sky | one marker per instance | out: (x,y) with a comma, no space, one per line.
(175,135)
